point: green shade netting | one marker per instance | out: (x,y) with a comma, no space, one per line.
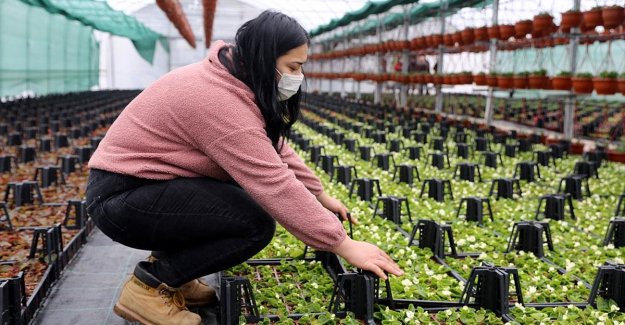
(44,52)
(416,14)
(99,15)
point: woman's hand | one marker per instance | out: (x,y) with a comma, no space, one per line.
(335,206)
(367,257)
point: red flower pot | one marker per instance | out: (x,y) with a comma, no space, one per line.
(493,32)
(437,40)
(481,34)
(621,86)
(605,86)
(522,28)
(582,85)
(592,18)
(457,37)
(538,82)
(506,31)
(468,36)
(520,82)
(571,19)
(542,23)
(561,83)
(505,82)
(612,16)
(616,156)
(480,79)
(448,40)
(491,80)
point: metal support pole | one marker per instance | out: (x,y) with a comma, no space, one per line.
(570,105)
(403,96)
(358,84)
(439,60)
(377,98)
(488,115)
(344,68)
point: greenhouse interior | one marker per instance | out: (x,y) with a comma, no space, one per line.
(340,162)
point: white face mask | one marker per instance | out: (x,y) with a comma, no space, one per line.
(288,85)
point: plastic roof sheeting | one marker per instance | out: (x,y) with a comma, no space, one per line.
(101,16)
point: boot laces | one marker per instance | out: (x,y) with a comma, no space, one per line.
(174,297)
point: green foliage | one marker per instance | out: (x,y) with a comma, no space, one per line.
(608,74)
(523,73)
(564,74)
(585,75)
(541,72)
(506,74)
(544,14)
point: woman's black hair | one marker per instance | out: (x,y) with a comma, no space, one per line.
(258,44)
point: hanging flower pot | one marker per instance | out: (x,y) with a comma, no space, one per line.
(506,31)
(582,83)
(468,36)
(491,80)
(493,32)
(621,84)
(520,81)
(522,28)
(562,81)
(422,42)
(448,40)
(616,156)
(593,18)
(571,19)
(542,22)
(438,79)
(606,83)
(481,34)
(505,81)
(480,79)
(561,41)
(466,78)
(612,16)
(538,80)
(457,36)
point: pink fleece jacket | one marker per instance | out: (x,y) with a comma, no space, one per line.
(199,120)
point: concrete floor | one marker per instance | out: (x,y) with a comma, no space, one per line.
(89,286)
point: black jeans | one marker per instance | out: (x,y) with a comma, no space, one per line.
(198,226)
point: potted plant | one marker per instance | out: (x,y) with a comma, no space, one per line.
(538,79)
(505,81)
(621,83)
(542,22)
(593,18)
(617,154)
(448,40)
(493,32)
(612,16)
(506,31)
(522,28)
(520,80)
(466,77)
(606,84)
(491,79)
(481,34)
(457,37)
(468,37)
(480,79)
(576,148)
(582,83)
(571,19)
(562,81)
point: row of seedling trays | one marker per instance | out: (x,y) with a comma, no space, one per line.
(487,286)
(43,219)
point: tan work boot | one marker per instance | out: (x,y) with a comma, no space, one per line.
(196,293)
(146,300)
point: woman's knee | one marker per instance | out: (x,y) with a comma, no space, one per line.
(265,228)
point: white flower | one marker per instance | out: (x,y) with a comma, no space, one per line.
(471,238)
(614,308)
(406,283)
(446,292)
(409,314)
(531,290)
